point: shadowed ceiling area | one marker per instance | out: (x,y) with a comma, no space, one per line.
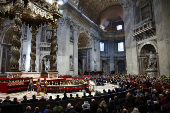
(111,14)
(94,8)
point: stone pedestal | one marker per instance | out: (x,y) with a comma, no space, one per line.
(52,74)
(32,74)
(152,72)
(13,74)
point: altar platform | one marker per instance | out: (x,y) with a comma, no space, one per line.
(29,94)
(49,79)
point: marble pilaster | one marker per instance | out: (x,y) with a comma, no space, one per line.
(63,47)
(131,47)
(162,14)
(75,52)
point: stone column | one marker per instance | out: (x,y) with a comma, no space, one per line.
(131,46)
(162,15)
(54,48)
(101,67)
(116,69)
(16,44)
(108,65)
(112,53)
(83,65)
(34,32)
(1,50)
(98,55)
(75,50)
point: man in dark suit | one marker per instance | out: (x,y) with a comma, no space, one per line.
(7,101)
(50,99)
(15,101)
(148,84)
(71,96)
(77,96)
(116,101)
(33,99)
(58,98)
(150,107)
(65,96)
(93,106)
(42,99)
(25,100)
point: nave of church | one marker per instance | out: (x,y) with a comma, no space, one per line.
(78,37)
(114,51)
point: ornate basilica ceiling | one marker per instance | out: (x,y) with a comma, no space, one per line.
(94,8)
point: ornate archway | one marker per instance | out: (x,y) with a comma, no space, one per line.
(6,49)
(84,52)
(83,41)
(143,58)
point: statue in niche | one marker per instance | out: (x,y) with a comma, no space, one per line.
(152,60)
(95,66)
(80,70)
(71,33)
(48,35)
(71,62)
(23,61)
(43,65)
(145,63)
(47,65)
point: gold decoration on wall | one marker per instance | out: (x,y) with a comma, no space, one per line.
(83,40)
(113,36)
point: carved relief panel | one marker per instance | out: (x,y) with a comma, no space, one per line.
(143,11)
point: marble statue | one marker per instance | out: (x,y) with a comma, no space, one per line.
(71,33)
(48,35)
(80,71)
(152,60)
(95,66)
(71,62)
(23,61)
(145,63)
(47,65)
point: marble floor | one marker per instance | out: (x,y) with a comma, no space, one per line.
(29,94)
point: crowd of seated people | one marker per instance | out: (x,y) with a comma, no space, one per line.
(139,101)
(119,79)
(7,101)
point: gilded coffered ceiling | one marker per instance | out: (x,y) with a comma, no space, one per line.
(93,8)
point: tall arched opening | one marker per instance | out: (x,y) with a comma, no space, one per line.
(6,50)
(83,53)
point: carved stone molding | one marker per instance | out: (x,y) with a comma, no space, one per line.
(144,31)
(126,4)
